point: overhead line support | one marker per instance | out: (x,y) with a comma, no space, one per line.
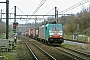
(22,18)
(43,15)
(2,2)
(7,20)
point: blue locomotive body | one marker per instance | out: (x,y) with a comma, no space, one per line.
(51,33)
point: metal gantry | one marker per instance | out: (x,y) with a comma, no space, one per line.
(7,13)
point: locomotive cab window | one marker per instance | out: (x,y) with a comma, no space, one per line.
(46,28)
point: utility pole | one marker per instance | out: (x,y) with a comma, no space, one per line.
(15,14)
(14,26)
(7,20)
(14,23)
(57,17)
(55,12)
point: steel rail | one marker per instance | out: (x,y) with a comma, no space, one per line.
(75,56)
(31,51)
(52,58)
(77,51)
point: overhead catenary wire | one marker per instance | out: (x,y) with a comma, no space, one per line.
(58,9)
(75,6)
(39,6)
(11,8)
(21,11)
(62,13)
(50,11)
(9,13)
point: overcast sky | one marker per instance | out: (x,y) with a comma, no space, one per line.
(29,6)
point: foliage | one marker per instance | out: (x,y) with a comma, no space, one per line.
(77,23)
(2,27)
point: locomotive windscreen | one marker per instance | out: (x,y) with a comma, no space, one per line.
(55,30)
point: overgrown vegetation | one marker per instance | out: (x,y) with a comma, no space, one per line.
(3,29)
(79,23)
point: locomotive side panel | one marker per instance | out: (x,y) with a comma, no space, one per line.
(37,32)
(42,32)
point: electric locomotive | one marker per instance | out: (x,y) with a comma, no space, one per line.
(51,33)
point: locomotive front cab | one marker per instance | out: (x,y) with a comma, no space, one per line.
(56,34)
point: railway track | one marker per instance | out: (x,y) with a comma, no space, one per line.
(37,52)
(41,51)
(30,50)
(55,53)
(77,51)
(23,52)
(77,55)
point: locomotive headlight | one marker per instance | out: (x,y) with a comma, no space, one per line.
(60,36)
(50,36)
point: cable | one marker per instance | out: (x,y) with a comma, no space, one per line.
(49,11)
(39,6)
(21,11)
(58,9)
(9,13)
(75,6)
(11,8)
(42,2)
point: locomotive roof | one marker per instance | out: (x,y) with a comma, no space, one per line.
(53,24)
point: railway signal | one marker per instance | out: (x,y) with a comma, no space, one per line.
(14,25)
(14,30)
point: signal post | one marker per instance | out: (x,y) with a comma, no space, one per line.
(14,31)
(14,26)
